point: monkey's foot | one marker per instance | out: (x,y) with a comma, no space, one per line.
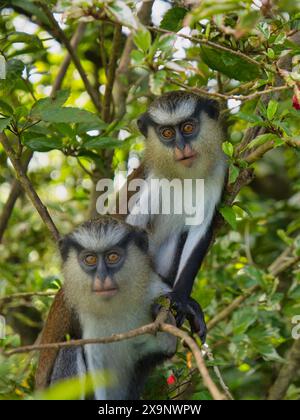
(182,309)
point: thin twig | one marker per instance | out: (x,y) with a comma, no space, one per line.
(25,295)
(77,37)
(28,187)
(284,261)
(152,328)
(64,40)
(208,43)
(120,90)
(286,374)
(191,343)
(15,192)
(225,97)
(16,189)
(111,72)
(218,373)
(89,173)
(225,313)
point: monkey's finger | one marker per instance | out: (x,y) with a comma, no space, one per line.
(196,320)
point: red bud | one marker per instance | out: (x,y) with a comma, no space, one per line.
(296,103)
(171,379)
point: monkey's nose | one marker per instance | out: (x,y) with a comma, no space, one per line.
(101,286)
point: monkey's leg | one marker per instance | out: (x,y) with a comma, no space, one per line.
(182,308)
(70,363)
(180,301)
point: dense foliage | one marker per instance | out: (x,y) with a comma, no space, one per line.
(86,129)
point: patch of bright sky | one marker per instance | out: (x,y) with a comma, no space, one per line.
(60,192)
(234,105)
(82,100)
(256,5)
(158,10)
(23,24)
(38,161)
(93,133)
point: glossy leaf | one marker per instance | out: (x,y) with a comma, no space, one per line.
(235,67)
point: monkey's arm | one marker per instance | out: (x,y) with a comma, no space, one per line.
(193,253)
(188,271)
(59,323)
(69,363)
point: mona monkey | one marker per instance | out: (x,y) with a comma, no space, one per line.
(183,139)
(107,296)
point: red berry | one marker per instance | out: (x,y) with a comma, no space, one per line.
(171,379)
(296,103)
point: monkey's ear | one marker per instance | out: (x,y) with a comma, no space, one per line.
(142,123)
(141,240)
(63,246)
(213,108)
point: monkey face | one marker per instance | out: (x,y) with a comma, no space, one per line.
(183,135)
(104,262)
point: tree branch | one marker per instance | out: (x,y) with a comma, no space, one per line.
(64,40)
(28,188)
(16,189)
(24,295)
(152,328)
(286,374)
(284,261)
(191,343)
(15,192)
(120,90)
(76,39)
(225,97)
(111,72)
(208,43)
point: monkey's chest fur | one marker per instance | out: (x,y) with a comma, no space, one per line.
(126,363)
(172,238)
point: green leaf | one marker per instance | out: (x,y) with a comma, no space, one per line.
(243,319)
(99,142)
(229,215)
(142,40)
(14,70)
(157,81)
(233,173)
(4,123)
(271,53)
(123,13)
(272,109)
(5,108)
(247,21)
(172,20)
(262,139)
(42,144)
(68,115)
(25,38)
(228,148)
(284,237)
(71,389)
(32,9)
(231,65)
(64,129)
(252,118)
(138,57)
(46,104)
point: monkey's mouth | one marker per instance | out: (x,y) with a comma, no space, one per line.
(106,292)
(188,161)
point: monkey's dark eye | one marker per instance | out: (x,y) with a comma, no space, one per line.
(188,127)
(168,133)
(112,257)
(90,259)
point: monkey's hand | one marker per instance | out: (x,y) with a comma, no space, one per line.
(182,309)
